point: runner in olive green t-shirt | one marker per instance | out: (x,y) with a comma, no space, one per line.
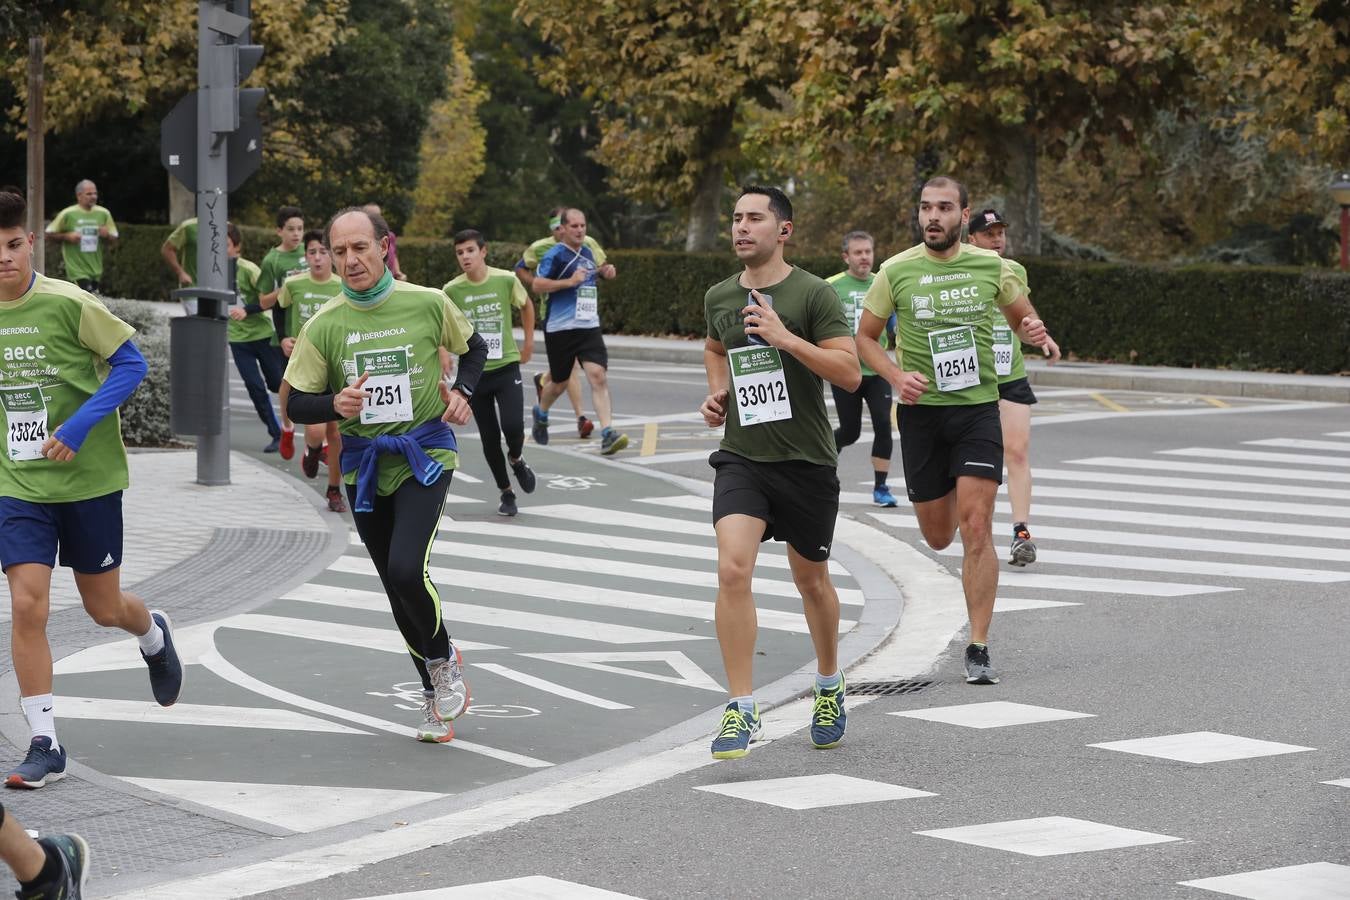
(988,230)
(250,336)
(280,263)
(851,287)
(370,359)
(83,229)
(66,365)
(487,296)
(945,295)
(525,269)
(775,333)
(179,251)
(300,298)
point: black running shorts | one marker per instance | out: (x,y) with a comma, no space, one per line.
(938,444)
(798,501)
(1018,391)
(566,347)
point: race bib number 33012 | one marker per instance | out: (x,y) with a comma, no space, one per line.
(759,385)
(390,388)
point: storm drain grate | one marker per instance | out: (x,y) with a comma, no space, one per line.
(887,688)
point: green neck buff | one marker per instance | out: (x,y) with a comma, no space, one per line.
(369,297)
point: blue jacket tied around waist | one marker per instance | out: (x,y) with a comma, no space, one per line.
(363,455)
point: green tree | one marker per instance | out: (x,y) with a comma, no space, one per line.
(452,154)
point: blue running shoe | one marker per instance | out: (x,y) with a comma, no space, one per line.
(734,736)
(882,496)
(166,670)
(828,718)
(539,430)
(41,765)
(73,852)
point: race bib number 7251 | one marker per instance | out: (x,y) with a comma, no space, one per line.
(390,388)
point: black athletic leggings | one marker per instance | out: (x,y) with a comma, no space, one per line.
(398,534)
(500,389)
(848,404)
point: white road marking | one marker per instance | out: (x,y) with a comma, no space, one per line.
(531,887)
(663,458)
(1071,418)
(1232,486)
(1289,459)
(1046,557)
(549,687)
(1007,604)
(299,807)
(1298,444)
(813,791)
(1236,472)
(992,714)
(1309,881)
(497,617)
(1082,585)
(196,714)
(1202,747)
(1262,507)
(387,639)
(592,515)
(687,672)
(1048,836)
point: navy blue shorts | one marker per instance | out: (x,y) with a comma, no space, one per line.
(88,533)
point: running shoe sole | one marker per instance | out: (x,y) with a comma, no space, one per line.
(619,443)
(15,781)
(1023,554)
(427,736)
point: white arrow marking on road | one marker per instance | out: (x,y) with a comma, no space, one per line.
(1294,459)
(510,533)
(146,712)
(1297,444)
(687,671)
(703,610)
(1235,472)
(299,807)
(496,617)
(549,686)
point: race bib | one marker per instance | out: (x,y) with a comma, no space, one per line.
(25,422)
(759,385)
(491,333)
(588,305)
(857,298)
(88,238)
(1003,350)
(390,389)
(955,361)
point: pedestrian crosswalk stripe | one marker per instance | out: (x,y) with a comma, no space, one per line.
(660,458)
(593,515)
(461,475)
(1084,585)
(1201,524)
(1299,444)
(549,687)
(1062,534)
(1010,604)
(1297,459)
(619,568)
(298,807)
(386,639)
(1232,471)
(515,533)
(497,617)
(196,714)
(687,672)
(703,610)
(1236,504)
(1048,836)
(531,887)
(1050,557)
(1307,881)
(1232,486)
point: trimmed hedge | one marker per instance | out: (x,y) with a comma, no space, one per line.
(145,415)
(1243,317)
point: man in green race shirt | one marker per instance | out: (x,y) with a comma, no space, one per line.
(281,262)
(300,297)
(774,333)
(487,296)
(250,336)
(944,294)
(66,364)
(370,360)
(525,269)
(83,229)
(989,231)
(851,286)
(179,251)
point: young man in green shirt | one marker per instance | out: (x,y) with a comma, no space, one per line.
(525,269)
(851,286)
(250,337)
(486,296)
(370,361)
(83,230)
(300,297)
(775,332)
(66,364)
(988,230)
(179,251)
(945,295)
(281,262)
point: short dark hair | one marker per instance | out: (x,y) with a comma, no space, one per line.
(377,222)
(286,213)
(13,208)
(779,204)
(232,232)
(942,181)
(469,234)
(313,234)
(567,211)
(858,236)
